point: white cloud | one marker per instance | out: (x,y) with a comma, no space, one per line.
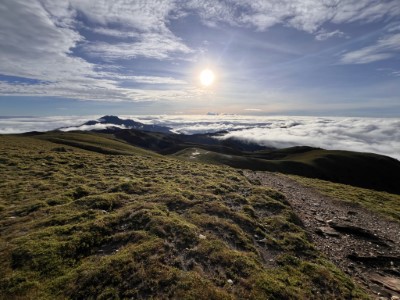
(150,45)
(323,35)
(114,32)
(384,48)
(211,12)
(92,91)
(146,21)
(30,46)
(355,134)
(396,73)
(377,135)
(41,45)
(395,26)
(305,15)
(301,14)
(153,79)
(365,11)
(40,39)
(253,109)
(98,126)
(26,124)
(145,16)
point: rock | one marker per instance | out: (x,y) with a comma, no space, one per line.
(319,219)
(358,231)
(230,281)
(327,231)
(202,237)
(395,298)
(379,290)
(375,260)
(388,282)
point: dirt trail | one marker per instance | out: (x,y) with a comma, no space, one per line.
(362,243)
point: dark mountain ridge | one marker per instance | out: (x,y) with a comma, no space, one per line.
(366,170)
(114,122)
(162,140)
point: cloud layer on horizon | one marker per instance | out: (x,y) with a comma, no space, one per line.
(26,124)
(377,135)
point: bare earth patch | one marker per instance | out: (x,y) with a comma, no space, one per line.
(364,244)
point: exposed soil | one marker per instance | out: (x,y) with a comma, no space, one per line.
(364,244)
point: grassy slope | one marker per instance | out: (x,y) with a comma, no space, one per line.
(101,143)
(366,170)
(381,202)
(359,169)
(79,224)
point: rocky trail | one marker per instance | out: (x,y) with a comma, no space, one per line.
(362,243)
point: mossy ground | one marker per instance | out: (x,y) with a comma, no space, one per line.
(78,224)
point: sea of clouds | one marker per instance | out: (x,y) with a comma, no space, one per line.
(377,135)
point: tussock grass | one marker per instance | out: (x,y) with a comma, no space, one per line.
(76,223)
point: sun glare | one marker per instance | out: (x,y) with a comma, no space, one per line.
(207,77)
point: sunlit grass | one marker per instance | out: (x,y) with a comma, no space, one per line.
(76,223)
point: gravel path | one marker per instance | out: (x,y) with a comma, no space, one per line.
(362,243)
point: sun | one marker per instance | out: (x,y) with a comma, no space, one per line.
(207,77)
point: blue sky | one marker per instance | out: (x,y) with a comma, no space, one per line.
(297,57)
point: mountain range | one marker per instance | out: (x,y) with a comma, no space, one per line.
(366,170)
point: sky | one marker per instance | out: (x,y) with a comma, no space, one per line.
(132,57)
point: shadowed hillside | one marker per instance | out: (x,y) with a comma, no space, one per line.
(366,170)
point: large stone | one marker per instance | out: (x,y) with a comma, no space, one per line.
(327,231)
(388,282)
(357,231)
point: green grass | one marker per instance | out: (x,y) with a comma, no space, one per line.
(382,202)
(96,142)
(76,223)
(366,170)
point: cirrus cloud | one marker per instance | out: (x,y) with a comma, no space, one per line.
(386,47)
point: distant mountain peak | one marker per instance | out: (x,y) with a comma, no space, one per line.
(115,123)
(114,120)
